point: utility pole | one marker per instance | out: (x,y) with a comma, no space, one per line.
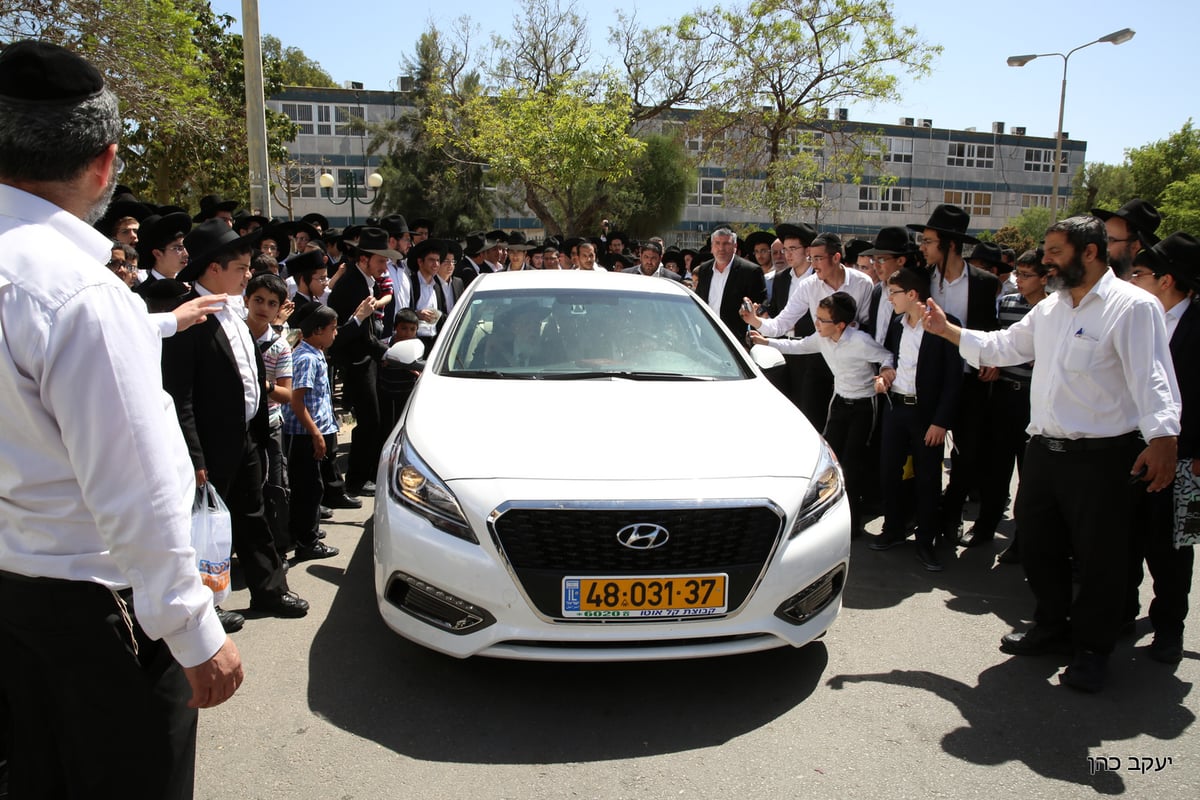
(256,111)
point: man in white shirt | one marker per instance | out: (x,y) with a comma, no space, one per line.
(110,640)
(1103,386)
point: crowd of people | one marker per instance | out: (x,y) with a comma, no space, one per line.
(1069,362)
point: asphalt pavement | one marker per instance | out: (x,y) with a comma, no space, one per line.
(907,696)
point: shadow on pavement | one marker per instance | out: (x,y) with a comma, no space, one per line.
(1015,713)
(370,682)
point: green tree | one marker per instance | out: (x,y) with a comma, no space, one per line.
(1180,206)
(783,64)
(295,68)
(1100,185)
(1159,164)
(652,200)
(1024,231)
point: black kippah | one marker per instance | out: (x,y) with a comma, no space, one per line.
(40,73)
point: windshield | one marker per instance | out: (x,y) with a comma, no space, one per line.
(563,334)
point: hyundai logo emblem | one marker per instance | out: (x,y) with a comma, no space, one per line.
(643,536)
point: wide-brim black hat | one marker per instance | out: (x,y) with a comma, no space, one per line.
(205,241)
(1178,255)
(277,233)
(427,246)
(801,230)
(375,242)
(122,205)
(157,231)
(891,241)
(989,254)
(316,219)
(307,263)
(210,204)
(478,242)
(242,218)
(949,221)
(517,241)
(758,237)
(1140,215)
(854,249)
(395,225)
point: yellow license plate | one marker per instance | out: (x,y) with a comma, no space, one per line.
(644,597)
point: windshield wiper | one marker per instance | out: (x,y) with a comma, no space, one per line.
(632,375)
(491,373)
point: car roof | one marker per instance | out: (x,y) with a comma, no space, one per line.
(575,279)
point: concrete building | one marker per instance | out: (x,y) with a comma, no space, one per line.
(994,174)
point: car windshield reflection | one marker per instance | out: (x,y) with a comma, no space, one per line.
(580,334)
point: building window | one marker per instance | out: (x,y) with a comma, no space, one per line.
(323,126)
(884,198)
(1038,160)
(1041,201)
(979,156)
(324,120)
(711,192)
(360,176)
(307,181)
(302,115)
(974,203)
(344,117)
(896,149)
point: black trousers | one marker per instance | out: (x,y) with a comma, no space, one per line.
(904,435)
(1079,505)
(362,396)
(816,393)
(1008,417)
(253,542)
(973,445)
(848,432)
(1152,541)
(304,475)
(95,709)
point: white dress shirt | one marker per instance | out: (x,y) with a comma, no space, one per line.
(851,359)
(233,325)
(1175,314)
(810,292)
(428,299)
(911,337)
(1100,369)
(401,284)
(95,480)
(716,287)
(950,295)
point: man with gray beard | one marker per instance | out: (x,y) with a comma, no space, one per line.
(1131,229)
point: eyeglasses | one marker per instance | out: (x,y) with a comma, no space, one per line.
(881,259)
(119,265)
(824,321)
(118,165)
(1130,239)
(1025,276)
(177,248)
(1141,273)
(816,259)
(929,241)
(270,248)
(895,291)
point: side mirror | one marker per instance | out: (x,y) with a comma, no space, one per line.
(405,353)
(767,357)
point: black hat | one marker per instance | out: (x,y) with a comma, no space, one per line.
(652,245)
(455,249)
(427,246)
(1140,215)
(208,239)
(498,236)
(758,237)
(517,241)
(622,235)
(478,242)
(157,231)
(423,222)
(278,233)
(571,243)
(854,249)
(44,74)
(950,221)
(164,294)
(619,261)
(990,254)
(210,204)
(123,204)
(395,225)
(801,230)
(307,263)
(375,241)
(242,219)
(672,255)
(1178,255)
(891,241)
(319,221)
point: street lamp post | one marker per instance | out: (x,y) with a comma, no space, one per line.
(327,181)
(1116,37)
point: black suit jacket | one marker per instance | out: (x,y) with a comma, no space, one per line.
(356,342)
(982,290)
(745,280)
(939,374)
(201,374)
(874,324)
(1185,353)
(467,272)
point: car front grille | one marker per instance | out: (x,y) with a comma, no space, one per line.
(543,545)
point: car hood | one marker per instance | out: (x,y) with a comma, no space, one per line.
(608,429)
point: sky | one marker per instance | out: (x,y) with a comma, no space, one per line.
(1118,96)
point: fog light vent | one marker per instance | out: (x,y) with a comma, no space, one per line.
(812,599)
(436,606)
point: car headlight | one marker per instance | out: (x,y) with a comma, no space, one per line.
(824,490)
(417,487)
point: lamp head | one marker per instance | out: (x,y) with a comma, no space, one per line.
(1118,37)
(326,180)
(1020,61)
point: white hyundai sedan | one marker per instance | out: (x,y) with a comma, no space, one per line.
(590,468)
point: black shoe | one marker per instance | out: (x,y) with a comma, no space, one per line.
(886,541)
(1038,640)
(364,489)
(977,536)
(327,512)
(342,501)
(314,551)
(928,558)
(1166,649)
(1086,673)
(287,604)
(320,533)
(1011,555)
(231,621)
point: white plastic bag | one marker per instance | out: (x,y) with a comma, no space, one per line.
(212,538)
